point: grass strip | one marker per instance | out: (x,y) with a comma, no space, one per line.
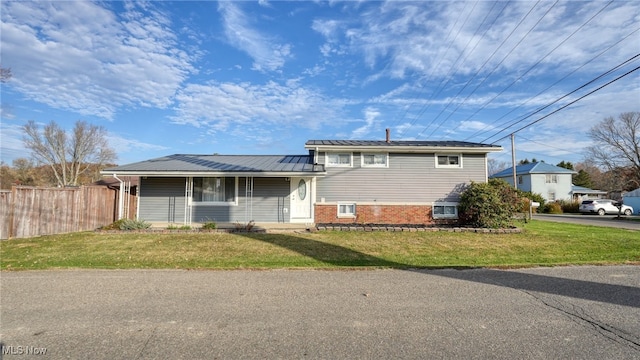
(540,244)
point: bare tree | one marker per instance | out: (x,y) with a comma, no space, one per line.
(617,146)
(5,74)
(494,166)
(68,155)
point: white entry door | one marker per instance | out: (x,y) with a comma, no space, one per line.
(300,199)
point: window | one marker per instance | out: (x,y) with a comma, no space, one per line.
(375,160)
(339,159)
(347,210)
(214,189)
(445,210)
(448,161)
(551,195)
(520,180)
(551,179)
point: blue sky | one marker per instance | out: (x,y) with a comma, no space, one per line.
(263,77)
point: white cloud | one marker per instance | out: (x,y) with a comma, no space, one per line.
(429,38)
(125,145)
(370,116)
(81,57)
(11,146)
(267,54)
(228,106)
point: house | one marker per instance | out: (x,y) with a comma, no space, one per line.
(550,181)
(337,181)
(632,198)
(579,193)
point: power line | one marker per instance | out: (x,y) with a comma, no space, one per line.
(433,69)
(439,88)
(485,129)
(494,69)
(448,77)
(567,105)
(566,95)
(530,68)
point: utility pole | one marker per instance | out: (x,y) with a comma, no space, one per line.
(513,159)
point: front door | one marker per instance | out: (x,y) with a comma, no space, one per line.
(301,200)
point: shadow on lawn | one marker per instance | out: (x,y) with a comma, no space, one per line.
(344,257)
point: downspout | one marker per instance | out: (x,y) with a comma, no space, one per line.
(120,196)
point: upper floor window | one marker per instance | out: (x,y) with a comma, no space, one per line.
(214,189)
(551,179)
(375,160)
(448,161)
(339,160)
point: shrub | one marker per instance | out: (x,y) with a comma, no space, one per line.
(129,224)
(488,205)
(570,206)
(209,225)
(553,208)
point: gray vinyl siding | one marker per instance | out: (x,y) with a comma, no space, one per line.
(270,198)
(162,199)
(409,178)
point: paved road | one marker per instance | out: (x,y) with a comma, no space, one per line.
(595,220)
(542,313)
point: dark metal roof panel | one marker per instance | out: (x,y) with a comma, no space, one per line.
(356,143)
(221,163)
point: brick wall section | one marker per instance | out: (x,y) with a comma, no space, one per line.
(376,214)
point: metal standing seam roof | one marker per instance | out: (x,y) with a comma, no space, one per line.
(584,190)
(533,168)
(221,163)
(356,143)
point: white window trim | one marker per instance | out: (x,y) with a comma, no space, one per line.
(327,164)
(444,216)
(385,165)
(459,166)
(346,215)
(218,203)
(552,177)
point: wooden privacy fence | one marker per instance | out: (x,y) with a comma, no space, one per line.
(30,211)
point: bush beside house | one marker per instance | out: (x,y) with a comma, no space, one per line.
(489,205)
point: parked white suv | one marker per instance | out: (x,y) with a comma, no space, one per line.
(604,206)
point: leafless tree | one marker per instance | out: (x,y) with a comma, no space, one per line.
(5,74)
(617,146)
(68,155)
(494,166)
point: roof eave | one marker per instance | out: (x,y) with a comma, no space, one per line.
(271,174)
(406,149)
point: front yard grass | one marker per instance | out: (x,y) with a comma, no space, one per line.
(540,244)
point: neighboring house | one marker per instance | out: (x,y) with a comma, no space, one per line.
(632,198)
(391,182)
(550,181)
(579,193)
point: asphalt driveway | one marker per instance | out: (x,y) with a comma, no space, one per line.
(542,313)
(625,222)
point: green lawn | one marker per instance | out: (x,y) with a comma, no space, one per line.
(540,244)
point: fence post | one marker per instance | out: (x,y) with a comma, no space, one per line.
(12,210)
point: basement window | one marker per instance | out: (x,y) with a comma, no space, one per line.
(346,210)
(445,210)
